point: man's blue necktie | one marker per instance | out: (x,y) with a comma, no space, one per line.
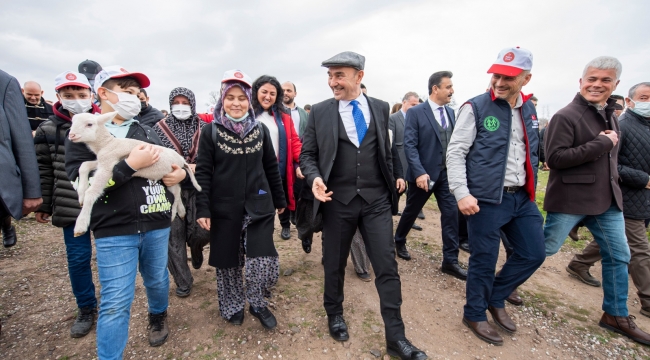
(443,123)
(359,121)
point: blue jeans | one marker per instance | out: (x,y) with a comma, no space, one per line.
(608,229)
(521,222)
(118,258)
(79,251)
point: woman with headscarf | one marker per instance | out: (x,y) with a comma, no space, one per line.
(238,171)
(269,110)
(180,130)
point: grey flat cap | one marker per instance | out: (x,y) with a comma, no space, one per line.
(346,58)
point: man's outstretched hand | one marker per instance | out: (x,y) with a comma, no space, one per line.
(320,191)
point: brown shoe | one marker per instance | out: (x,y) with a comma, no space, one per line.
(501,318)
(484,331)
(573,234)
(515,299)
(583,275)
(624,326)
(645,311)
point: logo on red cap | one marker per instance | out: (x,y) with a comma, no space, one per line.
(239,75)
(71,77)
(124,70)
(508,57)
(533,117)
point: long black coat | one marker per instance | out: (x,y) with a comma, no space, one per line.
(237,177)
(320,144)
(19,176)
(634,165)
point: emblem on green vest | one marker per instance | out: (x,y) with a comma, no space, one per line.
(491,123)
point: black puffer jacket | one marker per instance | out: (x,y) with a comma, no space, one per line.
(634,165)
(149,116)
(59,197)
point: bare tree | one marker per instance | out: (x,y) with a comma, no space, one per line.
(213,97)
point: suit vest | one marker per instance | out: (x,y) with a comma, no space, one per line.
(444,136)
(355,170)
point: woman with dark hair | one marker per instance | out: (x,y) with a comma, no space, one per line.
(180,131)
(396,108)
(269,110)
(238,172)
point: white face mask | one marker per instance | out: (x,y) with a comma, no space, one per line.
(127,106)
(78,106)
(181,112)
(641,108)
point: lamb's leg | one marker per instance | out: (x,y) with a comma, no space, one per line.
(96,189)
(84,171)
(177,206)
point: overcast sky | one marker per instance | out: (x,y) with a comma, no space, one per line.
(191,43)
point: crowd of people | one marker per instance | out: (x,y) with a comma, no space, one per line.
(338,167)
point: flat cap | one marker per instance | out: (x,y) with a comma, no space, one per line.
(346,58)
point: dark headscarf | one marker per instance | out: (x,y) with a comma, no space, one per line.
(240,128)
(183,130)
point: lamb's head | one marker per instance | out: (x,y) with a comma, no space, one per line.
(84,126)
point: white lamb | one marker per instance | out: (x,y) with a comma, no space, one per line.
(90,129)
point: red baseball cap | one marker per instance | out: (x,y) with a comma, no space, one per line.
(512,61)
(115,72)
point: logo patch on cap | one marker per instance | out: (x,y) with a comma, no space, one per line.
(491,123)
(124,70)
(508,57)
(239,75)
(71,77)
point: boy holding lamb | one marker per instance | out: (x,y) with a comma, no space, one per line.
(131,220)
(74,97)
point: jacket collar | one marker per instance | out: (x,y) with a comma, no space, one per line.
(524,97)
(609,110)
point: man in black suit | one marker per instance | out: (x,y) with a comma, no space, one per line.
(427,132)
(346,159)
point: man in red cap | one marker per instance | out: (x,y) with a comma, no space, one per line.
(492,168)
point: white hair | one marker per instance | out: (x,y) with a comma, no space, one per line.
(605,63)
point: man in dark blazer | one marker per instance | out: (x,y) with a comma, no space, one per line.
(583,186)
(427,132)
(20,192)
(346,159)
(396,125)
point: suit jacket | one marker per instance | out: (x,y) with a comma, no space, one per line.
(19,176)
(396,125)
(422,144)
(320,143)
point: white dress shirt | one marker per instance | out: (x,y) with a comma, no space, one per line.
(345,109)
(295,117)
(270,123)
(436,112)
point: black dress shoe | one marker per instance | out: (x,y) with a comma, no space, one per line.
(421,215)
(404,350)
(338,328)
(265,316)
(416,227)
(238,318)
(464,245)
(285,234)
(306,245)
(364,276)
(400,248)
(399,213)
(454,270)
(8,235)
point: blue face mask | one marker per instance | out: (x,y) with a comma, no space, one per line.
(238,120)
(641,108)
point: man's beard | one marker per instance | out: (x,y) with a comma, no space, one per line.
(288,102)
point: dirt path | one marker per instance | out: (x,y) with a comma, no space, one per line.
(559,319)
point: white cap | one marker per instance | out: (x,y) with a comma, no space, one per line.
(116,71)
(237,75)
(512,61)
(70,78)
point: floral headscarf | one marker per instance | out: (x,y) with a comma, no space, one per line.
(240,128)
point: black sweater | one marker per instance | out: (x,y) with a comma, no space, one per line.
(238,177)
(130,205)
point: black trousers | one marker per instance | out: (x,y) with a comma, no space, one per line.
(415,200)
(285,217)
(374,220)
